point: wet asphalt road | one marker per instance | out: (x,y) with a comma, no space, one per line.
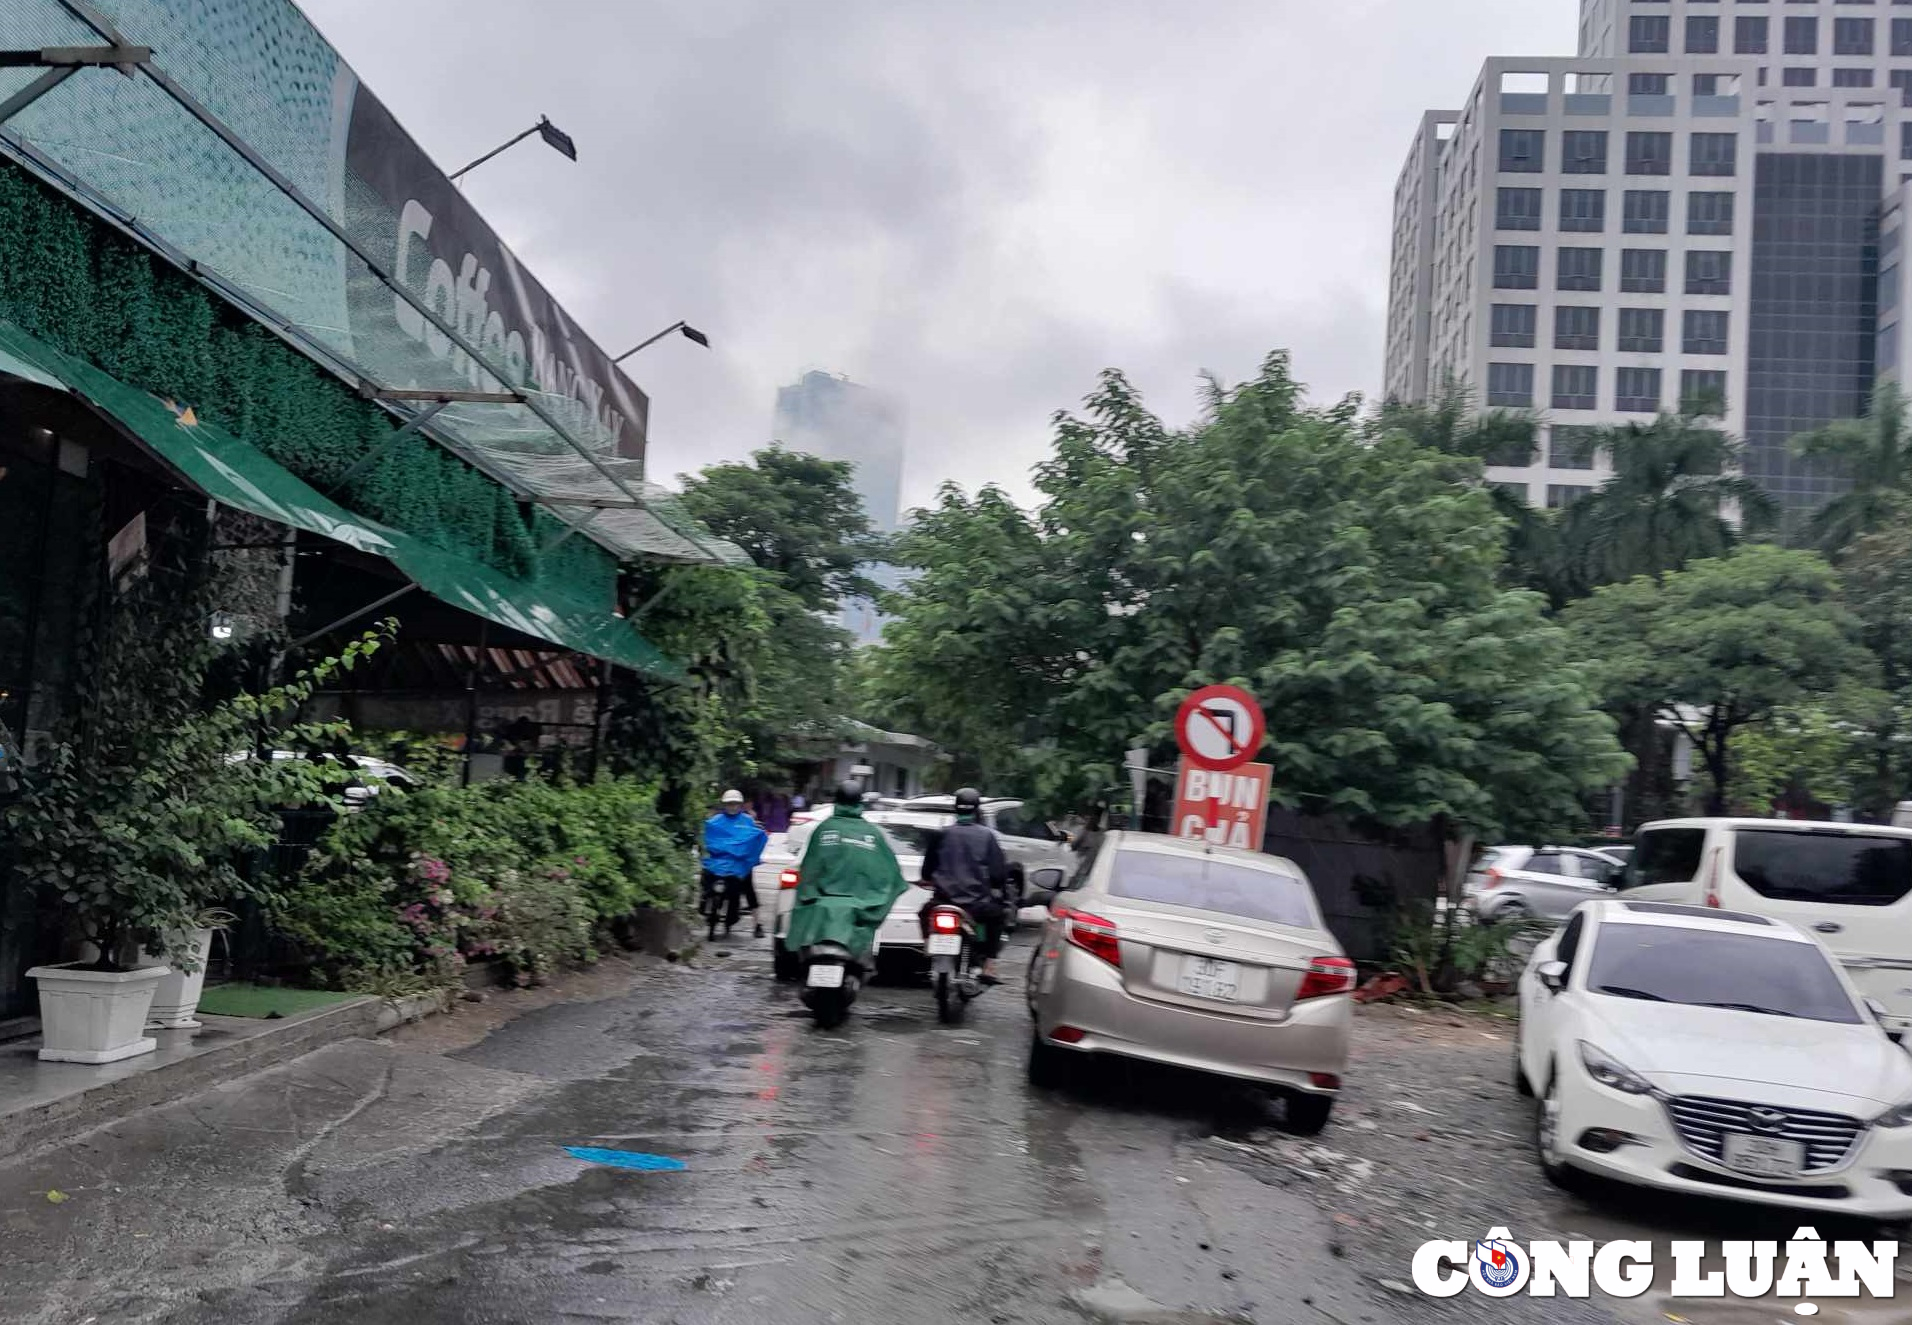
(895,1170)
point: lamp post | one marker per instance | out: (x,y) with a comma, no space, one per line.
(558,139)
(690,333)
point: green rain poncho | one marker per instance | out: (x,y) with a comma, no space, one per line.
(850,879)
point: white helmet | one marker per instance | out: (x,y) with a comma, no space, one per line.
(733,797)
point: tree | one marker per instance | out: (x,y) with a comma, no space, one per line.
(1673,480)
(1347,578)
(1452,424)
(1877,571)
(798,517)
(1722,646)
(1875,453)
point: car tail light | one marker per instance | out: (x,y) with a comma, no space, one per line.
(1068,1034)
(1093,935)
(1324,1081)
(1494,878)
(1712,882)
(946,922)
(788,879)
(1326,975)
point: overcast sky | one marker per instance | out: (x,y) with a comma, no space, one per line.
(973,204)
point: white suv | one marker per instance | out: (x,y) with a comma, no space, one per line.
(1847,885)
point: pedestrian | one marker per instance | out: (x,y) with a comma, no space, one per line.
(733,844)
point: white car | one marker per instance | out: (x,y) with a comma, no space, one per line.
(1714,1053)
(902,931)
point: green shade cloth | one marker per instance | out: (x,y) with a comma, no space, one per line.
(238,475)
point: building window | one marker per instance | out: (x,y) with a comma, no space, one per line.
(1751,35)
(1646,211)
(1576,328)
(1571,447)
(1709,271)
(1510,385)
(1649,34)
(1576,386)
(1852,36)
(1649,85)
(1517,209)
(1902,36)
(1703,391)
(1649,154)
(1802,35)
(1702,34)
(1583,152)
(1852,78)
(1799,76)
(1517,267)
(1583,210)
(1902,80)
(1562,495)
(1642,330)
(1513,326)
(1643,271)
(1709,213)
(1637,390)
(1714,154)
(1579,269)
(1706,331)
(1523,151)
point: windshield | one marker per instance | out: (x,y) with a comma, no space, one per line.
(1850,869)
(1205,884)
(908,839)
(1712,968)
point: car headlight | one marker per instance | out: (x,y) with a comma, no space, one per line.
(1899,1117)
(1612,1073)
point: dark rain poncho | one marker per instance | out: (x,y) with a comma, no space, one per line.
(849,880)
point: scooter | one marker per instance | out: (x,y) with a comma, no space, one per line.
(832,975)
(951,947)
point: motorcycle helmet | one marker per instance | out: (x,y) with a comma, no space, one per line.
(969,801)
(849,792)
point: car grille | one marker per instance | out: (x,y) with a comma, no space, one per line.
(1703,1125)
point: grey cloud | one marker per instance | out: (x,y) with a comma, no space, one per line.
(975,206)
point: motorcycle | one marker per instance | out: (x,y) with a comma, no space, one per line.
(951,946)
(831,978)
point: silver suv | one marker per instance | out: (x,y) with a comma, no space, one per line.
(1028,842)
(1547,883)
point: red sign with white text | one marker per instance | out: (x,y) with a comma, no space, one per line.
(1223,808)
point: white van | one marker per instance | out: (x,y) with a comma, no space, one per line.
(1848,885)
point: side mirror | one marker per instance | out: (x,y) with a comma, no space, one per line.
(1553,975)
(1878,1010)
(1043,886)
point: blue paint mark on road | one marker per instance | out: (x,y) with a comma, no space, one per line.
(626,1159)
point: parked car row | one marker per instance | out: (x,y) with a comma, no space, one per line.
(1726,1020)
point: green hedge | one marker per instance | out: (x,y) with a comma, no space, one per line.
(77,283)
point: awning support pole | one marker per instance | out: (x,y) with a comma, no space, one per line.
(373,456)
(33,91)
(569,530)
(471,695)
(350,617)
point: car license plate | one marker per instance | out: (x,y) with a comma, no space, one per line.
(1763,1156)
(825,975)
(945,945)
(1204,977)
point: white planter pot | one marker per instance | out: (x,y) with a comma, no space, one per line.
(94,1016)
(176,998)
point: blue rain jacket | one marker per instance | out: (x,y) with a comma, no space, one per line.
(733,844)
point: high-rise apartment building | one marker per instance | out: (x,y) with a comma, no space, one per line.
(1704,205)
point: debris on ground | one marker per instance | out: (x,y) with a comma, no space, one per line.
(1381,987)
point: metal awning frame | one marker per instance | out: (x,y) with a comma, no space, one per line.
(62,63)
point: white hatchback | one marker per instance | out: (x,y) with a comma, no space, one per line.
(776,881)
(1714,1053)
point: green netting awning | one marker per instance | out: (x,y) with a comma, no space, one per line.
(238,475)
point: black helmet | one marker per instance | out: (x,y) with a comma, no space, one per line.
(849,792)
(969,801)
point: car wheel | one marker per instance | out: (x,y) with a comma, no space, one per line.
(1522,1087)
(1049,1067)
(784,963)
(1308,1114)
(1548,1146)
(1511,912)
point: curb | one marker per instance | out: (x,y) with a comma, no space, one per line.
(61,1120)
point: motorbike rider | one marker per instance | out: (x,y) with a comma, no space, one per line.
(965,867)
(848,882)
(733,844)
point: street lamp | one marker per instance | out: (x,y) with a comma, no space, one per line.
(690,333)
(559,140)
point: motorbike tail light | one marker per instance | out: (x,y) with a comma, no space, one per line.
(1493,880)
(1326,975)
(788,879)
(946,922)
(1095,936)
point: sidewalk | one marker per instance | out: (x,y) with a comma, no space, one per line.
(44,1103)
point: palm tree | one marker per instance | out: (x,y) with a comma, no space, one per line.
(1673,479)
(1450,422)
(1875,452)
